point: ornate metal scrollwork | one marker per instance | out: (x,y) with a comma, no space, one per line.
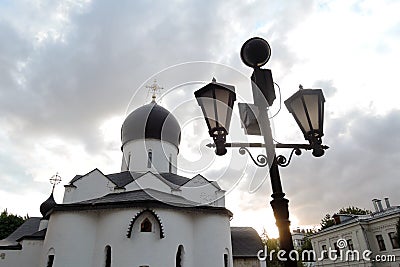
(261,160)
(283,162)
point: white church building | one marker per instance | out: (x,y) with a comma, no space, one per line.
(143,216)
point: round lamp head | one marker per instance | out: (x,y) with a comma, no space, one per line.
(255,52)
(318,151)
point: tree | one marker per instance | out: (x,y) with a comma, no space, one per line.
(328,221)
(9,223)
(307,246)
(354,210)
(271,244)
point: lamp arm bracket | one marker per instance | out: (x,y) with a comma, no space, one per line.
(278,145)
(260,161)
(283,161)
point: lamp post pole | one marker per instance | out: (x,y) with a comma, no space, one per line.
(307,107)
(279,203)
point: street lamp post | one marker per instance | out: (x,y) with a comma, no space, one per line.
(306,105)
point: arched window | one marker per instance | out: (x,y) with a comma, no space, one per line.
(146,226)
(108,256)
(50,260)
(226,258)
(129,161)
(149,158)
(179,256)
(143,220)
(50,257)
(170,164)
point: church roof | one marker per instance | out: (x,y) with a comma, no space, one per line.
(245,242)
(141,195)
(38,235)
(27,228)
(140,198)
(121,179)
(151,121)
(174,178)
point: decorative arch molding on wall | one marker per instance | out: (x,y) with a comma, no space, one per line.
(156,217)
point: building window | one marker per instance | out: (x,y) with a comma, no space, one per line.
(108,256)
(50,261)
(337,249)
(325,251)
(225,260)
(149,159)
(350,245)
(381,242)
(179,257)
(170,164)
(393,240)
(145,226)
(129,161)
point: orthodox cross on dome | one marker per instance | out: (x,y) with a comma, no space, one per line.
(154,89)
(55,180)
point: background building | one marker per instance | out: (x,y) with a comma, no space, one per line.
(375,232)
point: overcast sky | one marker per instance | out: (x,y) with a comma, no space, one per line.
(71,70)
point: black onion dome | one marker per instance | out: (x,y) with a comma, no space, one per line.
(47,205)
(151,121)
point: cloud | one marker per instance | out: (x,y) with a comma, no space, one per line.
(358,166)
(70,68)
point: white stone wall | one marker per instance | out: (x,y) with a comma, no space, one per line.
(212,241)
(135,154)
(71,235)
(205,237)
(27,257)
(92,185)
(198,189)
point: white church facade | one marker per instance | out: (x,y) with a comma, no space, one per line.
(146,215)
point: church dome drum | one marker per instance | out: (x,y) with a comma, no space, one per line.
(151,121)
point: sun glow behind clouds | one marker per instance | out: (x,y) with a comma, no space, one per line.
(260,219)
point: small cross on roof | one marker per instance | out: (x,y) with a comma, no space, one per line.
(55,180)
(154,89)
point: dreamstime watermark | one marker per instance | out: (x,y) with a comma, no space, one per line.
(337,254)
